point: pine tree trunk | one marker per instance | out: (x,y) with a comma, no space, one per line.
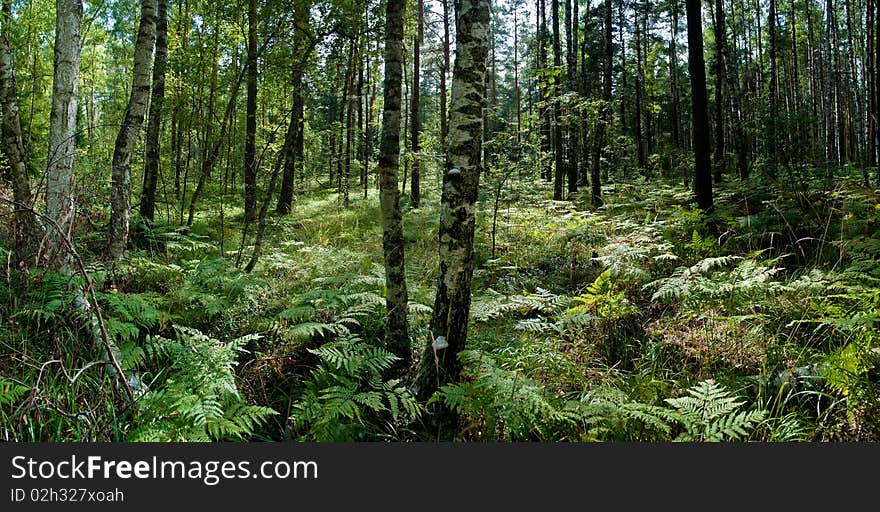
(396,331)
(774,89)
(154,124)
(606,114)
(640,142)
(544,93)
(572,148)
(699,107)
(250,150)
(559,170)
(674,109)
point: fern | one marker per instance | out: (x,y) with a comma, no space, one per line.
(197,399)
(346,398)
(710,412)
(11,392)
(504,404)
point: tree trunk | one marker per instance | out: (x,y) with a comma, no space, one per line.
(292,158)
(126,140)
(640,80)
(674,113)
(544,93)
(444,72)
(559,170)
(415,124)
(151,159)
(396,331)
(606,113)
(872,86)
(699,107)
(720,80)
(28,228)
(250,136)
(774,88)
(62,128)
(349,119)
(449,323)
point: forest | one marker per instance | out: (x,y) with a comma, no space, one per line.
(435,220)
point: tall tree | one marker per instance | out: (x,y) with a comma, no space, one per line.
(606,114)
(572,148)
(154,123)
(28,229)
(699,107)
(293,152)
(774,88)
(674,109)
(449,323)
(129,132)
(444,72)
(558,147)
(250,136)
(396,329)
(62,127)
(415,122)
(640,81)
(720,84)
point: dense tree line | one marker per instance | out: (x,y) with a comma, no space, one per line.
(125,118)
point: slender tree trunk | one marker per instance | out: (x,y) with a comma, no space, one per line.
(449,325)
(250,150)
(129,133)
(572,148)
(640,77)
(62,128)
(349,119)
(516,91)
(302,51)
(559,171)
(872,85)
(649,116)
(415,122)
(620,27)
(732,77)
(774,89)
(674,109)
(544,93)
(396,331)
(699,107)
(373,88)
(28,228)
(720,80)
(154,124)
(444,72)
(213,151)
(606,113)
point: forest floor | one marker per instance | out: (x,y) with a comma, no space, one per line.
(633,322)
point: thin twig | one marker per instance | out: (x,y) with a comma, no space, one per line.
(90,289)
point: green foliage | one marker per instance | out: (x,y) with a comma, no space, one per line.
(709,412)
(504,405)
(195,396)
(346,397)
(704,284)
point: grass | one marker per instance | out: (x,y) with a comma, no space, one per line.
(603,328)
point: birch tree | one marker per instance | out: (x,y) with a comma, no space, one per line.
(461,181)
